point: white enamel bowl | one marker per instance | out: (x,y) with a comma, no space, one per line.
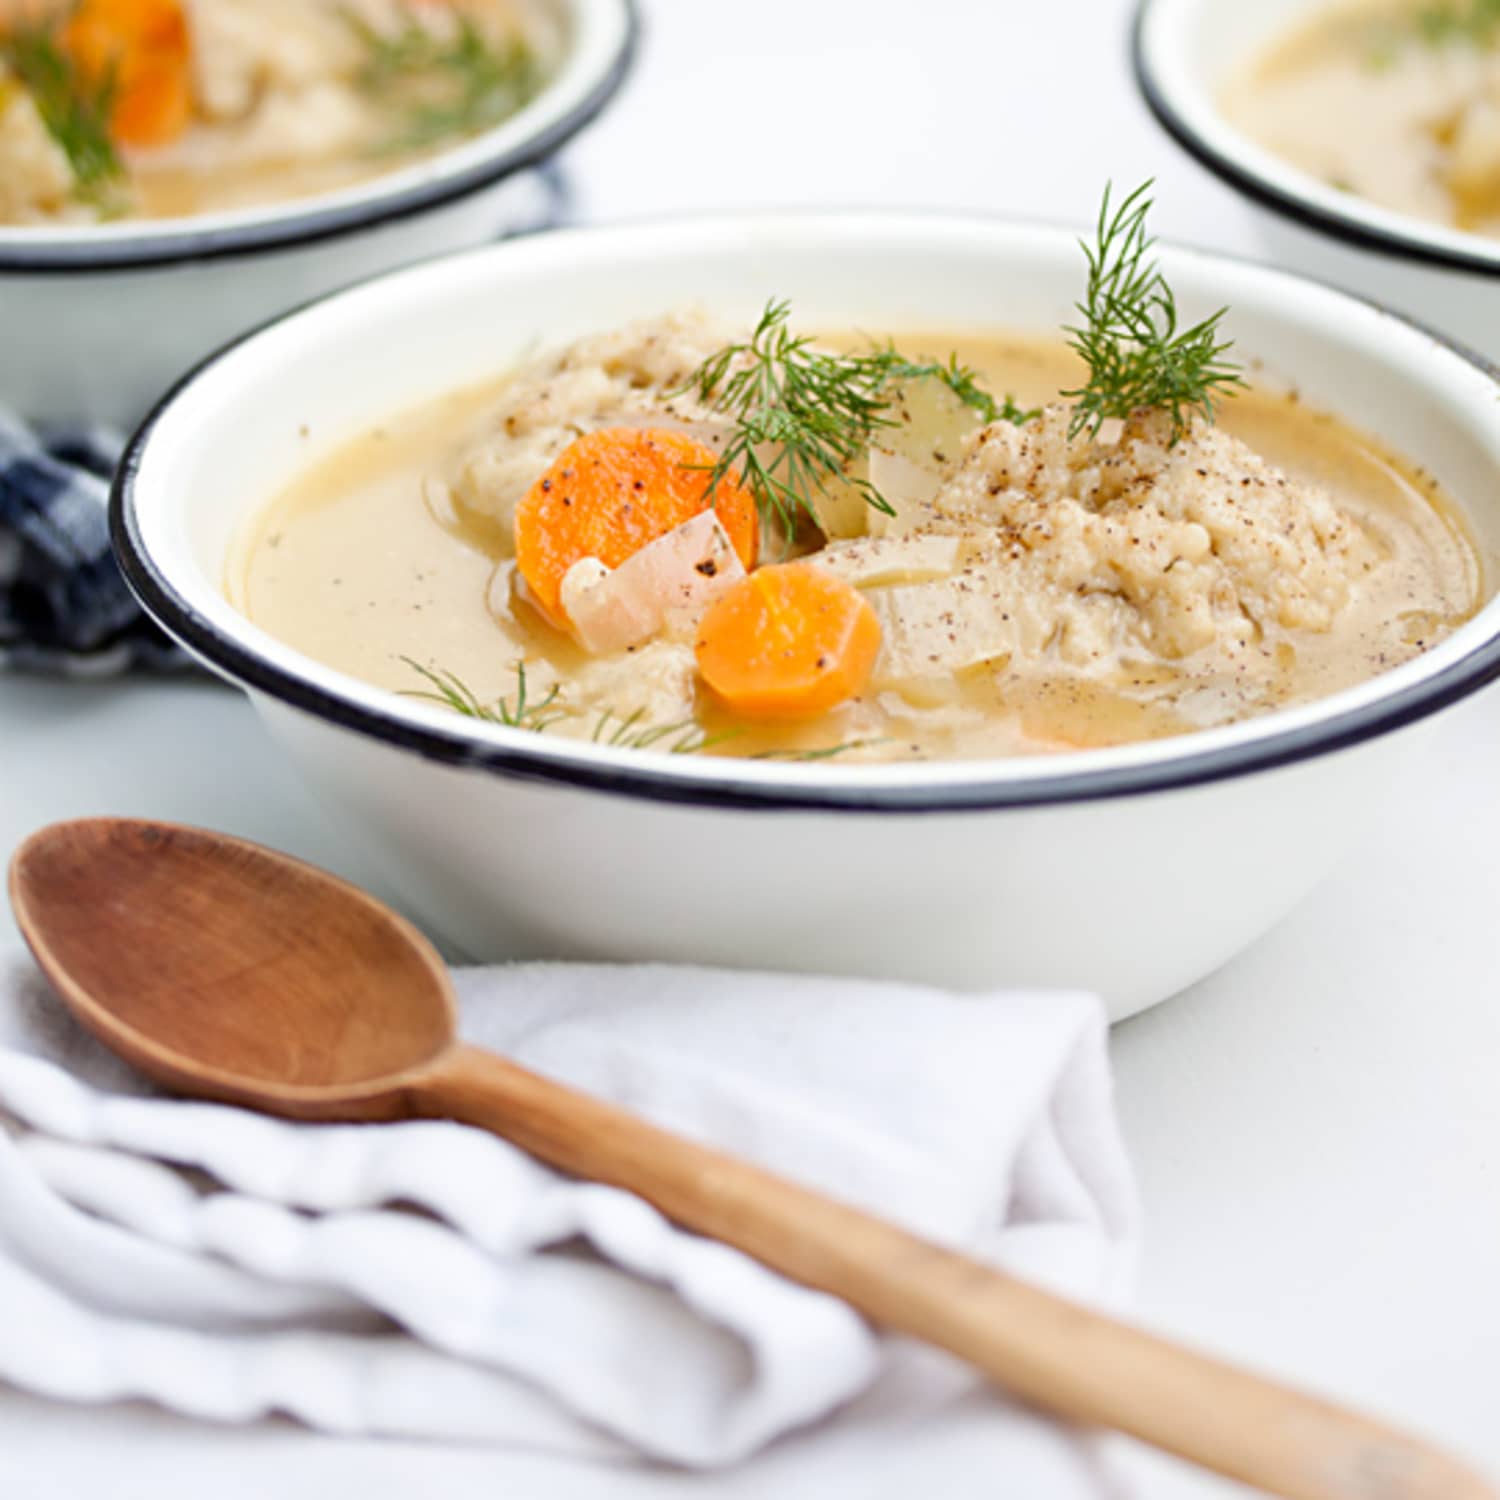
(1185,53)
(97,321)
(1129,871)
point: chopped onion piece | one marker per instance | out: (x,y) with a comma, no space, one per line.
(684,570)
(908,488)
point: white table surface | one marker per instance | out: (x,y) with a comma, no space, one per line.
(1317,1128)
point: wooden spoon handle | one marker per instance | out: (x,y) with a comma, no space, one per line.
(1066,1359)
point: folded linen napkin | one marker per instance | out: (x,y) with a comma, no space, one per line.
(430,1280)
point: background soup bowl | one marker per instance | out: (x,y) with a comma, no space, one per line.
(1131,871)
(97,321)
(1185,52)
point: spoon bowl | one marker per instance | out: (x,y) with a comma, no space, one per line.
(222,969)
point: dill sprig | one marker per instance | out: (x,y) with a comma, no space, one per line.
(814,411)
(1014,413)
(1130,340)
(962,380)
(74,107)
(520,711)
(633,732)
(1476,22)
(516,712)
(822,752)
(1438,24)
(446,85)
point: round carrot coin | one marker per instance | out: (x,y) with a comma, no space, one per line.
(610,493)
(789,641)
(144,48)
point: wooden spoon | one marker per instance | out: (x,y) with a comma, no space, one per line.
(224,970)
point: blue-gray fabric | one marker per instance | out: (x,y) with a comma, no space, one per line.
(64,607)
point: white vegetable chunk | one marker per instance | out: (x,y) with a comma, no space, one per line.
(839,505)
(874,562)
(912,458)
(689,567)
(908,488)
(579,582)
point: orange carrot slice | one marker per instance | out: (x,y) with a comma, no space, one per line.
(610,493)
(145,47)
(790,641)
(156,108)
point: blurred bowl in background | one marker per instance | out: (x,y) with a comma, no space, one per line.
(1185,53)
(96,321)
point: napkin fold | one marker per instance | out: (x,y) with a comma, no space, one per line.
(430,1280)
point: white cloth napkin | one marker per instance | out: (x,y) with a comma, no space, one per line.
(428,1280)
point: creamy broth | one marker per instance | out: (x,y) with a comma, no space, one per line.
(371,559)
(162,192)
(229,104)
(1387,100)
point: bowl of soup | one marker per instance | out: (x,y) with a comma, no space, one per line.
(1366,133)
(1014,690)
(174,172)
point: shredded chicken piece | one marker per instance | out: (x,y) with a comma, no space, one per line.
(657,682)
(626,377)
(36,182)
(244,50)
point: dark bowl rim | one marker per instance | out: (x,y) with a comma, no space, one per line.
(1347,227)
(311,225)
(644,777)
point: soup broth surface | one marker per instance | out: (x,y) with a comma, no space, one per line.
(369,565)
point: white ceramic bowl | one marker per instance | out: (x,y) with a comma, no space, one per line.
(1185,52)
(1130,871)
(97,321)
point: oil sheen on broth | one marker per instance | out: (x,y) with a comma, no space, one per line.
(367,564)
(1388,100)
